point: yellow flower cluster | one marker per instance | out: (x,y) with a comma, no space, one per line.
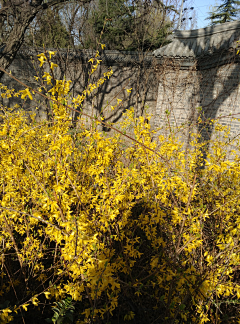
(154,223)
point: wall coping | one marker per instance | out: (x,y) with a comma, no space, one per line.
(201,42)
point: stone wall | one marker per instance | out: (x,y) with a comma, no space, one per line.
(171,90)
(130,71)
(182,90)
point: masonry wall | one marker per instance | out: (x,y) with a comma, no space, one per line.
(182,91)
(130,71)
(177,95)
(167,89)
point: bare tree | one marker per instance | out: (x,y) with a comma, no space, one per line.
(189,17)
(75,18)
(15,17)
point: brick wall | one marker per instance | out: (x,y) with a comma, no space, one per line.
(171,90)
(181,91)
(130,71)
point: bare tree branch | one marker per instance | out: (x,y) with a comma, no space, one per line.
(15,18)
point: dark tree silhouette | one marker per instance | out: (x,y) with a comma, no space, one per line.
(15,18)
(226,12)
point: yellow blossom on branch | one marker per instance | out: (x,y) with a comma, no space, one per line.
(48,77)
(25,93)
(24,306)
(53,65)
(42,58)
(51,53)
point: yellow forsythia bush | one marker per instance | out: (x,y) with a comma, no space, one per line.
(145,234)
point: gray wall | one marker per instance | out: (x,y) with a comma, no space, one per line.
(130,71)
(208,83)
(159,85)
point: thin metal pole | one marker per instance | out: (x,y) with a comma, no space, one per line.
(180,17)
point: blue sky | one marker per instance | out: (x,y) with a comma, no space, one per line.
(202,9)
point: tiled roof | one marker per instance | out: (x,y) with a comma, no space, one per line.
(199,42)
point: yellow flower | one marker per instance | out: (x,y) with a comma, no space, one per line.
(35,301)
(25,306)
(48,77)
(53,91)
(103,46)
(25,93)
(42,55)
(42,58)
(16,309)
(53,65)
(129,90)
(118,101)
(51,53)
(6,310)
(129,316)
(47,294)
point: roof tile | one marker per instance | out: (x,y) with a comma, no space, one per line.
(198,42)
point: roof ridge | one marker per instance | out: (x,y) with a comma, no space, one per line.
(194,44)
(207,31)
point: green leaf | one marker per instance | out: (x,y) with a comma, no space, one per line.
(182,306)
